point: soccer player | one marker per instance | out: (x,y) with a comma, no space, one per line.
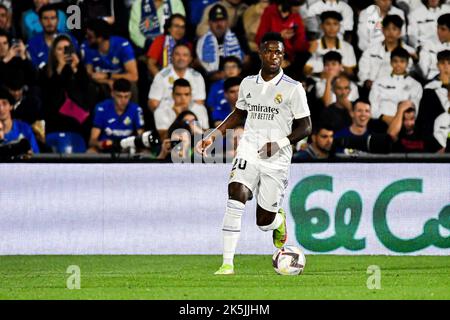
(271,104)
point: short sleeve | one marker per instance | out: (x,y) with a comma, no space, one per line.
(299,103)
(198,91)
(241,103)
(98,117)
(157,88)
(127,52)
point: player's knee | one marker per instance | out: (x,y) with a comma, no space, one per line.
(238,192)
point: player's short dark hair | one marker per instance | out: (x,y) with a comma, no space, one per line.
(332,56)
(400,53)
(5,95)
(321,125)
(46,8)
(443,55)
(360,100)
(231,82)
(100,27)
(5,34)
(444,20)
(230,59)
(122,85)
(272,36)
(181,83)
(330,15)
(394,19)
(15,80)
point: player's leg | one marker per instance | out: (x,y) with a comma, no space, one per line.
(269,214)
(240,188)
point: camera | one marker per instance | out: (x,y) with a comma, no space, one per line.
(68,51)
(147,140)
(15,149)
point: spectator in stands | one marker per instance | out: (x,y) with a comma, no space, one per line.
(216,101)
(408,6)
(428,54)
(332,62)
(389,91)
(31,24)
(147,19)
(65,90)
(14,129)
(159,54)
(370,22)
(403,130)
(107,57)
(234,10)
(315,11)
(330,25)
(6,20)
(285,19)
(161,88)
(219,42)
(422,22)
(182,101)
(434,99)
(227,105)
(337,114)
(27,106)
(375,61)
(116,118)
(251,20)
(321,144)
(13,58)
(39,44)
(360,114)
(442,127)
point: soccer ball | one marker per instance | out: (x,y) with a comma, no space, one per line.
(288,261)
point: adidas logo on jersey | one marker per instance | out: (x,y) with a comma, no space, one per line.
(249,96)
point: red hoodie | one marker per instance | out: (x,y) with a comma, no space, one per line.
(271,21)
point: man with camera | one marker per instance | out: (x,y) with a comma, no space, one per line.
(39,45)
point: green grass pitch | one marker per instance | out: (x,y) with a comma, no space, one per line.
(191,277)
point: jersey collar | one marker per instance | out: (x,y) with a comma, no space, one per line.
(275,81)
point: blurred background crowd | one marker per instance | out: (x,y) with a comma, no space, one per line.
(78,76)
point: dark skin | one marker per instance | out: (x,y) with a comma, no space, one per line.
(271,54)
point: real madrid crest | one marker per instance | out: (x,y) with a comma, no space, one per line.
(278,98)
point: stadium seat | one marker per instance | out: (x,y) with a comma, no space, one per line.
(66,142)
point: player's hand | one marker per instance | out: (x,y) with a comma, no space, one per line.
(268,150)
(203,145)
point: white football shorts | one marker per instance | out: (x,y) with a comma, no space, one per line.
(267,185)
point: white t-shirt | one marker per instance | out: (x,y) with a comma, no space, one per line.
(161,88)
(343,47)
(316,9)
(370,28)
(165,116)
(272,107)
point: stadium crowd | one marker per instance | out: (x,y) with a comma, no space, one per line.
(77,76)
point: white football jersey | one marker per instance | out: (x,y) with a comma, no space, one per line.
(272,107)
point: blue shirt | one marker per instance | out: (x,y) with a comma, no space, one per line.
(196,9)
(22,130)
(346,133)
(113,126)
(220,108)
(32,25)
(120,52)
(38,49)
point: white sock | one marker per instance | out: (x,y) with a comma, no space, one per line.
(231,229)
(275,223)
